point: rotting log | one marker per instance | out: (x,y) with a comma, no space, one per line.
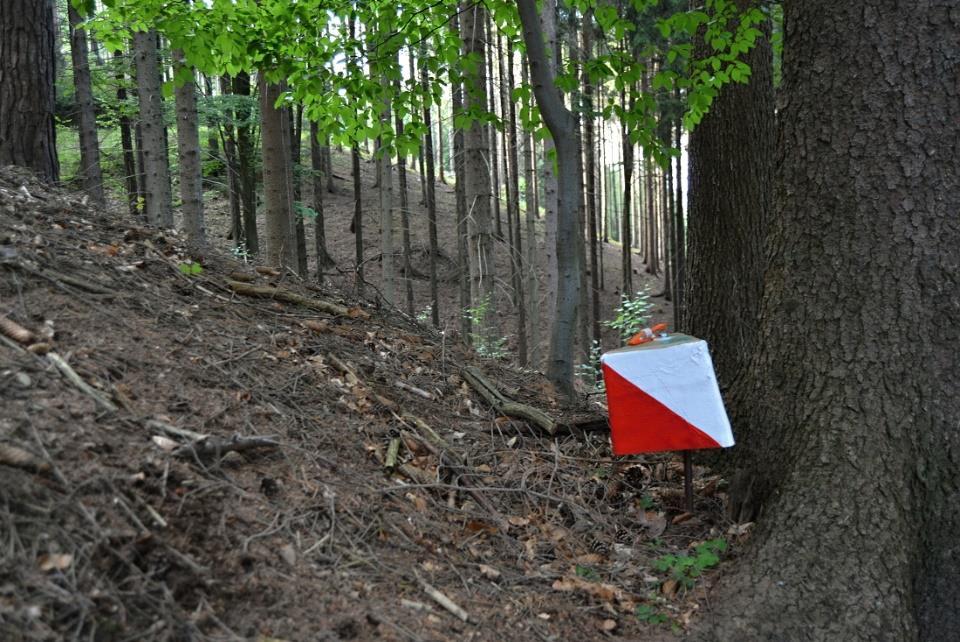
(281,294)
(506,406)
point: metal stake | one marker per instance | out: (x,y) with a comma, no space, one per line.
(688,479)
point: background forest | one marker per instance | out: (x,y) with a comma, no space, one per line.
(526,185)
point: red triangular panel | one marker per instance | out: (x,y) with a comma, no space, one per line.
(641,424)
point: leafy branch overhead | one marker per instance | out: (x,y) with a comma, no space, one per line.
(307,44)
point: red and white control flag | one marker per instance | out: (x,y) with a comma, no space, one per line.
(663,395)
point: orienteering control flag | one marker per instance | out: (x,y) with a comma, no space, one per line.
(663,395)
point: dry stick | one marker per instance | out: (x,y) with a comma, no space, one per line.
(281,294)
(82,385)
(506,406)
(443,600)
(156,424)
(390,461)
(20,458)
(417,391)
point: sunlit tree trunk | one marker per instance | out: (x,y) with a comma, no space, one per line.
(431,198)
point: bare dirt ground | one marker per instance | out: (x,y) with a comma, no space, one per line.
(210,466)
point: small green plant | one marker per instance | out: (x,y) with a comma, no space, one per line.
(650,614)
(424,315)
(590,372)
(486,346)
(191,269)
(685,569)
(305,212)
(632,315)
(241,252)
(587,573)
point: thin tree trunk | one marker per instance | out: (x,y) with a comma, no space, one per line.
(463,255)
(491,134)
(280,231)
(591,187)
(477,170)
(513,206)
(126,138)
(404,215)
(319,227)
(431,197)
(229,134)
(561,124)
(388,284)
(356,225)
(679,258)
(548,22)
(530,203)
(246,165)
(188,151)
(158,207)
(90,174)
(295,116)
(626,238)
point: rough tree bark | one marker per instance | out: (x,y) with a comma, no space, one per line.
(731,175)
(156,168)
(279,229)
(626,237)
(27,60)
(852,438)
(548,22)
(591,182)
(90,174)
(513,206)
(561,124)
(188,150)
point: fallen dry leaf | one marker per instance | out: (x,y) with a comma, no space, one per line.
(489,572)
(357,312)
(608,625)
(669,588)
(164,443)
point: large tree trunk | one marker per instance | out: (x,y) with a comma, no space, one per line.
(731,172)
(27,60)
(513,203)
(90,175)
(477,167)
(188,148)
(281,239)
(852,439)
(156,167)
(561,124)
(229,133)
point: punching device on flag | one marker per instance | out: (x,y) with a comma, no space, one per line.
(662,394)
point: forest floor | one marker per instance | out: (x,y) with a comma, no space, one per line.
(181,462)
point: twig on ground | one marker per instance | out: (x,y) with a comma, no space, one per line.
(82,385)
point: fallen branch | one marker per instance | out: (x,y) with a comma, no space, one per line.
(443,600)
(215,447)
(82,385)
(506,406)
(417,391)
(281,294)
(156,424)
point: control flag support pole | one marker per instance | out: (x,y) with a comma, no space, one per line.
(688,479)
